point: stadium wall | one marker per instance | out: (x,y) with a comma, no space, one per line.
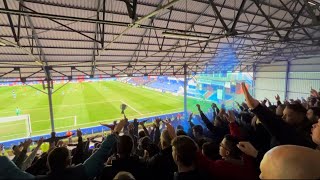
(292,80)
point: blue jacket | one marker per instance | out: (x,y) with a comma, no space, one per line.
(92,167)
(8,170)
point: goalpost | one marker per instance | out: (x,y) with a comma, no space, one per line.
(17,127)
(14,127)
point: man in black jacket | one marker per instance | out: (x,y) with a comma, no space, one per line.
(162,164)
(125,161)
(293,129)
(184,153)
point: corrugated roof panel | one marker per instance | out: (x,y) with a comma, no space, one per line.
(124,46)
(68,58)
(116,6)
(116,53)
(77,3)
(15,58)
(112,58)
(42,23)
(61,10)
(143,10)
(66,51)
(67,44)
(118,18)
(283,15)
(132,39)
(154,2)
(182,16)
(193,6)
(64,35)
(206,20)
(4,19)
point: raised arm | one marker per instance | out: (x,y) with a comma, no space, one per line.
(189,120)
(23,154)
(274,125)
(157,132)
(204,118)
(239,106)
(144,128)
(62,137)
(277,97)
(234,128)
(94,164)
(27,163)
(78,156)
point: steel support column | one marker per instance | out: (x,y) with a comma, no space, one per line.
(49,88)
(287,81)
(185,114)
(254,75)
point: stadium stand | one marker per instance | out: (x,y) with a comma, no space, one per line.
(235,141)
(142,42)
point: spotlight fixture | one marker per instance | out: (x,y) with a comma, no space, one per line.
(184,36)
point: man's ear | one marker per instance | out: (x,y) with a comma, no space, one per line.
(227,153)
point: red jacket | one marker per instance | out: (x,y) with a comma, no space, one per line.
(222,169)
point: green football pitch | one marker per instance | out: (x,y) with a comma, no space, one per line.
(86,104)
(79,105)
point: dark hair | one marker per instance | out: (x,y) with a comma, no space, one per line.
(198,129)
(144,142)
(297,108)
(181,132)
(273,108)
(179,127)
(125,145)
(211,150)
(141,134)
(231,145)
(186,149)
(316,111)
(57,159)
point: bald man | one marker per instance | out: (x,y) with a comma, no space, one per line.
(290,162)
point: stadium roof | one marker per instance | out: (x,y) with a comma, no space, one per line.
(109,38)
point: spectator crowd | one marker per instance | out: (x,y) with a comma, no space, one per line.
(256,140)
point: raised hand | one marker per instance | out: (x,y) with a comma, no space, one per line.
(213,105)
(190,116)
(247,148)
(79,133)
(170,129)
(230,117)
(131,127)
(251,102)
(277,97)
(157,122)
(40,141)
(141,123)
(26,144)
(314,93)
(120,126)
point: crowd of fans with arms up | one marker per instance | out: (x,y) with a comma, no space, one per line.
(256,140)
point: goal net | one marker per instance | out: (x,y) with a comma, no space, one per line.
(15,127)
